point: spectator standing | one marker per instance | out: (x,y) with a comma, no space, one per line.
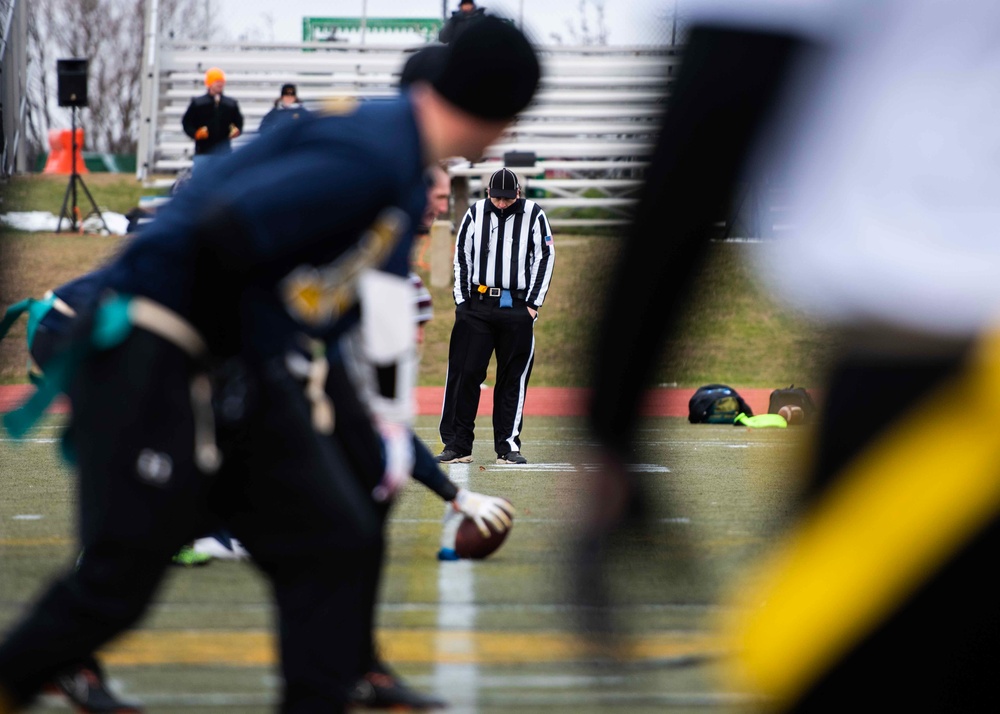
(287,107)
(213,119)
(504,257)
(466,14)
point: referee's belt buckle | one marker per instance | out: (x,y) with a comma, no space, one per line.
(493,292)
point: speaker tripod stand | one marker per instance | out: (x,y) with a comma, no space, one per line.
(73,212)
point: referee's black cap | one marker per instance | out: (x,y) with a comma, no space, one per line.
(490,71)
(503,184)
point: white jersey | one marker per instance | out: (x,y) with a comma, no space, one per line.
(892,155)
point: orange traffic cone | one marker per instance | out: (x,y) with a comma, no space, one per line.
(60,159)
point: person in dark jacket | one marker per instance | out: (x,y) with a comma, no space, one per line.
(288,106)
(466,14)
(213,119)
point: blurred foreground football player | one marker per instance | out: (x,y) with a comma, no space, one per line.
(202,307)
(880,117)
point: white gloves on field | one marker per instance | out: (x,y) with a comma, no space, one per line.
(481,508)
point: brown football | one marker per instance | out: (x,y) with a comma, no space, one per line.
(471,544)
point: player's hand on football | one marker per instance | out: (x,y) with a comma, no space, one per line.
(201,133)
(398,442)
(481,508)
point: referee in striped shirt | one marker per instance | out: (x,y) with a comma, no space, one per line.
(503,266)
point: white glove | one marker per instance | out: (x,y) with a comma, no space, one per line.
(398,442)
(481,508)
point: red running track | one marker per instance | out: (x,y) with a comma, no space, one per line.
(541,401)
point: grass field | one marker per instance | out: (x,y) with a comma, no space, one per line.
(733,332)
(498,635)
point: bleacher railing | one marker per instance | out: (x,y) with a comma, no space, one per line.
(592,125)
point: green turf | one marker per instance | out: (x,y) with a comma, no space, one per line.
(733,331)
(45,192)
(715,495)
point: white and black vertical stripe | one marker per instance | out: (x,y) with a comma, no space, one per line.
(514,255)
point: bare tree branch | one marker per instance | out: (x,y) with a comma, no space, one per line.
(109,34)
(580,32)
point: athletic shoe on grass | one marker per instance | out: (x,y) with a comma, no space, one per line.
(87,692)
(511,457)
(450,456)
(381,688)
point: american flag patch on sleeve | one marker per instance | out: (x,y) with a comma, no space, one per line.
(548,240)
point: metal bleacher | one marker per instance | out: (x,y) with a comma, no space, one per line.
(590,129)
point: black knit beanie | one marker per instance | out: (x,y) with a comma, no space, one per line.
(424,64)
(490,71)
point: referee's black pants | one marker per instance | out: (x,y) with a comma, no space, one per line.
(481,328)
(142,497)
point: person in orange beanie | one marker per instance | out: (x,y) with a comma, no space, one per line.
(213,119)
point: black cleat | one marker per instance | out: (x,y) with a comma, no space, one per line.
(450,456)
(86,690)
(511,457)
(382,689)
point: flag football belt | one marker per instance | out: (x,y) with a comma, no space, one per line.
(484,291)
(112,322)
(36,310)
(59,305)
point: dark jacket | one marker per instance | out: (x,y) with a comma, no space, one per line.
(290,202)
(282,113)
(458,22)
(203,111)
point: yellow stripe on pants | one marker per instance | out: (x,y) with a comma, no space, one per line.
(888,522)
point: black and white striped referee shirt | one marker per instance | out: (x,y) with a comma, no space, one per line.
(515,252)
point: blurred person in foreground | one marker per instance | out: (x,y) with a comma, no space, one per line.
(352,385)
(185,416)
(417,66)
(879,115)
(50,323)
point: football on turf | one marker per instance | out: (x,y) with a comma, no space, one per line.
(470,543)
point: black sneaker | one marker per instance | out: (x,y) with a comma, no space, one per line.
(87,692)
(383,689)
(511,457)
(450,456)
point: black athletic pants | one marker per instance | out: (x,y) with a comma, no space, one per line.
(285,492)
(362,446)
(937,649)
(356,435)
(481,328)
